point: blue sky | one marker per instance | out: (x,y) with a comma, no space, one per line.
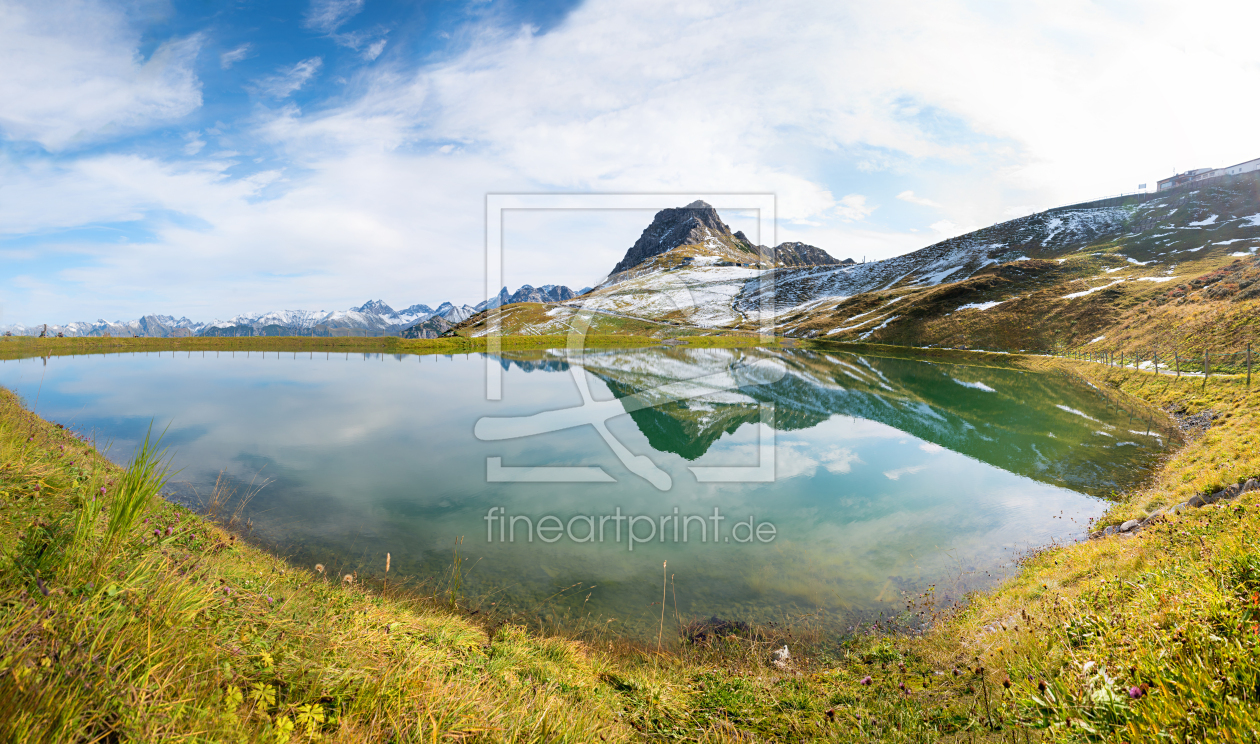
(207,159)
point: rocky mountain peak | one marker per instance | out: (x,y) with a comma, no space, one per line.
(670,228)
(375,307)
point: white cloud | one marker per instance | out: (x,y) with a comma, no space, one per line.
(896,474)
(854,207)
(931,448)
(71,74)
(373,50)
(328,15)
(840,459)
(908,196)
(231,57)
(195,143)
(1038,104)
(369,43)
(291,79)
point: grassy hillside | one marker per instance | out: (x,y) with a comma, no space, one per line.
(1178,271)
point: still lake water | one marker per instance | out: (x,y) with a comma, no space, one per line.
(889,475)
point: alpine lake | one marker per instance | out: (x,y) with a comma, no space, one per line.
(759,485)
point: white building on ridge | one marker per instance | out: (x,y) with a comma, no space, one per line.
(1202,174)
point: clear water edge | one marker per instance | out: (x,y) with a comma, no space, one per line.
(891,474)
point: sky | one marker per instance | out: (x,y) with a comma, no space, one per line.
(206,159)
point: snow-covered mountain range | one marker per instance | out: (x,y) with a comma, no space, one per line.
(372,318)
(1062,275)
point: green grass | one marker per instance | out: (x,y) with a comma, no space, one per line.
(25,347)
(174,629)
(178,630)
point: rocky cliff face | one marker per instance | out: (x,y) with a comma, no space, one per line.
(434,327)
(694,224)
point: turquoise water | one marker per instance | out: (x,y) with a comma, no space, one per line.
(885,475)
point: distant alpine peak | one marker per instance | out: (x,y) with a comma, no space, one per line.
(527,293)
(699,204)
(796,253)
(376,307)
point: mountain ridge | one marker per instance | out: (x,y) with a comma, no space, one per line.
(372,318)
(1155,269)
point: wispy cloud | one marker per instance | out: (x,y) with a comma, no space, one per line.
(854,207)
(68,82)
(908,196)
(327,16)
(195,143)
(231,57)
(896,474)
(618,97)
(373,50)
(369,43)
(840,459)
(289,80)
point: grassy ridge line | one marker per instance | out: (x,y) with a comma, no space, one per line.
(26,347)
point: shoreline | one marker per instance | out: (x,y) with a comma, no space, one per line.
(871,687)
(28,347)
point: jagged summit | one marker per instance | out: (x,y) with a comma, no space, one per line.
(697,223)
(375,307)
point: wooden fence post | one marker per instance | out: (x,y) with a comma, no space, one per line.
(1205,366)
(1248,365)
(1155,357)
(1177,359)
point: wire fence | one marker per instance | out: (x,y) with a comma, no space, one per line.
(1111,200)
(1176,363)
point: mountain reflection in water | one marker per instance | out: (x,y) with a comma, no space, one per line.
(890,474)
(1015,420)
